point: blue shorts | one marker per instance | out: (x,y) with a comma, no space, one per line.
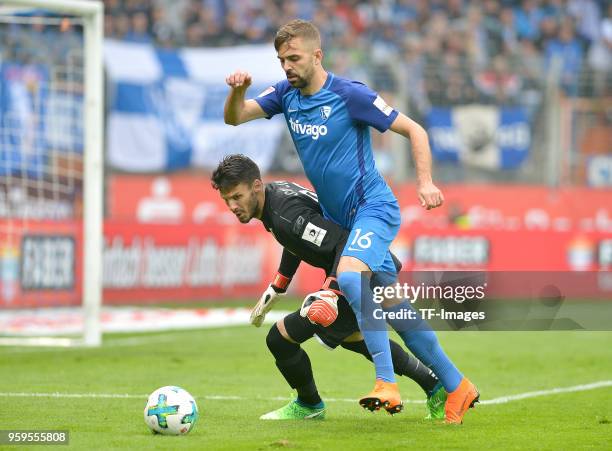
(374,228)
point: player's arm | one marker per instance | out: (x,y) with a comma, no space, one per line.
(321,307)
(237,110)
(429,195)
(367,107)
(288,266)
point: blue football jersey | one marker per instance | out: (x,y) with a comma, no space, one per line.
(331,133)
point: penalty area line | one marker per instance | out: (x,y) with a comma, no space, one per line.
(498,400)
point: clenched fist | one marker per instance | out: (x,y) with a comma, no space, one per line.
(429,195)
(239,79)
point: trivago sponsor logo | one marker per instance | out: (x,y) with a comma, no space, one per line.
(313,131)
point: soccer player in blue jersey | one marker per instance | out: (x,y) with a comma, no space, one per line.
(329,119)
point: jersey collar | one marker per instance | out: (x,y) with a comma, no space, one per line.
(265,216)
(328,82)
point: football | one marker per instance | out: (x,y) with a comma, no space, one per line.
(171,411)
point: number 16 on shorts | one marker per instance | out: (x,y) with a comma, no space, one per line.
(361,241)
(371,246)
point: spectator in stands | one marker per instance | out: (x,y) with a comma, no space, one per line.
(528,17)
(458,85)
(492,26)
(161,30)
(529,65)
(508,34)
(139,28)
(587,16)
(413,67)
(498,84)
(521,30)
(121,26)
(600,56)
(567,50)
(476,44)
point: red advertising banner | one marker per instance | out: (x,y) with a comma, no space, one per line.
(171,239)
(496,228)
(512,208)
(420,248)
(152,263)
(190,198)
(165,199)
(40,263)
(166,263)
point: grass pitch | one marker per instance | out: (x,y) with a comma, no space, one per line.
(234,380)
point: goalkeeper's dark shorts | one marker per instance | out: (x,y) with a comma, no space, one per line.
(301,329)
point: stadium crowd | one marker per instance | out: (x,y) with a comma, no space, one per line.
(447,52)
(451,51)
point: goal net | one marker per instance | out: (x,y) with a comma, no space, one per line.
(51,183)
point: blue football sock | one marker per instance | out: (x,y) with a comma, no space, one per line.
(374,331)
(424,344)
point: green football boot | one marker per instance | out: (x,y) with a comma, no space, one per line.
(435,403)
(296,411)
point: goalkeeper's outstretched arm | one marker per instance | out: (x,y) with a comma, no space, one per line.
(287,268)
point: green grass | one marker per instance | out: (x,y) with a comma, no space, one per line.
(235,362)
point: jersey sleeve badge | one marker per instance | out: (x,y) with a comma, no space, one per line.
(267,91)
(382,106)
(314,234)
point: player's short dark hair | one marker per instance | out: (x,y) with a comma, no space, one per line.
(234,170)
(297,28)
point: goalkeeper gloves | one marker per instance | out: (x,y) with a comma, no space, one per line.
(267,300)
(320,308)
(331,284)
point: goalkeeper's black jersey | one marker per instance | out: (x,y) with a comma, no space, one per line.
(292,214)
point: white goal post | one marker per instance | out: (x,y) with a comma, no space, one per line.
(90,14)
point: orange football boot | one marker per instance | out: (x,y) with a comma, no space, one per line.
(386,395)
(459,401)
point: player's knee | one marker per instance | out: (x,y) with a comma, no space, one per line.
(383,279)
(280,324)
(278,345)
(273,338)
(357,346)
(351,264)
(350,285)
(355,336)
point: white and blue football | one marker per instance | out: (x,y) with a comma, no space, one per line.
(171,411)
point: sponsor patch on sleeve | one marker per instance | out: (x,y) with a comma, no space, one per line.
(314,234)
(382,106)
(266,91)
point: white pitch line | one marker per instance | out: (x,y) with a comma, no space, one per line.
(72,395)
(499,400)
(552,391)
(127,341)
